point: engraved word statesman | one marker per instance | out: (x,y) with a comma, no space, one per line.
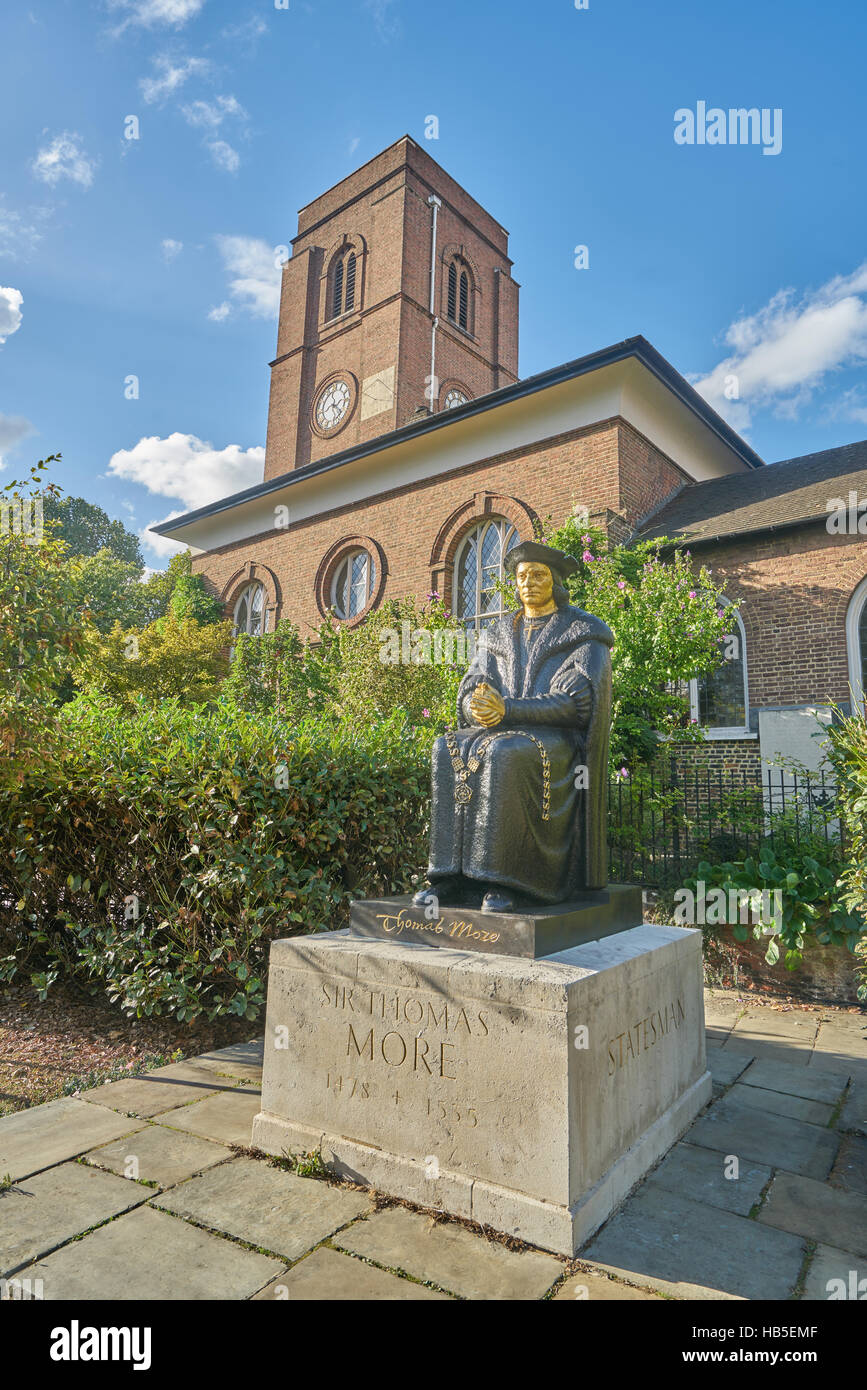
(520,787)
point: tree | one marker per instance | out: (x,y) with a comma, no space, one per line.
(168,659)
(108,589)
(87,529)
(41,626)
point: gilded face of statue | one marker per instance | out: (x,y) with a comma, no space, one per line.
(535,584)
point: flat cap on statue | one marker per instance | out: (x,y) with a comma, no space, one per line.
(557,560)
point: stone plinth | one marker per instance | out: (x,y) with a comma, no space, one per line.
(532,932)
(526,1095)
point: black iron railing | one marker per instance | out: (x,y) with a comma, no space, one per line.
(663,823)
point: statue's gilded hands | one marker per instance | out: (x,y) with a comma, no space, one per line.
(487,705)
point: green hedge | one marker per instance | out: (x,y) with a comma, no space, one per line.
(158,852)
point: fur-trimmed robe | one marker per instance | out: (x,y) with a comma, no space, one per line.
(563,697)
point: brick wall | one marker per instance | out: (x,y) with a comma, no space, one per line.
(793,588)
(416,529)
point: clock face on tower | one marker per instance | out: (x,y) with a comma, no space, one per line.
(333,404)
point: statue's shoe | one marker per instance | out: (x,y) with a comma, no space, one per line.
(497,900)
(444,890)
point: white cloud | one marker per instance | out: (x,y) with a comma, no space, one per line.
(19,236)
(354,143)
(220,312)
(783,353)
(13,428)
(10,312)
(850,405)
(224,156)
(149,13)
(211,114)
(188,468)
(170,76)
(387,25)
(247,34)
(64,158)
(159,545)
(171,248)
(256,275)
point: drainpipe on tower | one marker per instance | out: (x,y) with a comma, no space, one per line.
(435,204)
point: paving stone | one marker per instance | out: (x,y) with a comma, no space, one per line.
(721,1012)
(810,1082)
(226,1118)
(724,1066)
(842,1041)
(854,1113)
(814,1112)
(328,1276)
(773,1140)
(598,1288)
(42,1212)
(850,1170)
(700,1174)
(783,1050)
(240,1060)
(818,1211)
(148,1254)
(796,1028)
(265,1206)
(832,1264)
(164,1156)
(158,1090)
(47,1134)
(451,1256)
(683,1248)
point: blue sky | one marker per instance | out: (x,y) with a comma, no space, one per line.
(154,257)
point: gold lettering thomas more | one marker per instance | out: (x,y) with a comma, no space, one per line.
(397,923)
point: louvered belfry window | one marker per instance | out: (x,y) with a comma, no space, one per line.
(349,298)
(458,301)
(343,284)
(453,293)
(337,300)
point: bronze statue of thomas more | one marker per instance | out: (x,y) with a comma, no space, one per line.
(520,787)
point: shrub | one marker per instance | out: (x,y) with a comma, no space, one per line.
(807,875)
(156,852)
(278,673)
(847,754)
(668,623)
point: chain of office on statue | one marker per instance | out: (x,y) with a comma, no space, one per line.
(464,792)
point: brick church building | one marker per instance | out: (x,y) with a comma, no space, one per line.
(405,455)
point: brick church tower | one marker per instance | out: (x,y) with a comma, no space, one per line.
(398,298)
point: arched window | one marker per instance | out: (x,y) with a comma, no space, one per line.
(353,584)
(719,702)
(856,642)
(343,276)
(458,303)
(478,567)
(250,614)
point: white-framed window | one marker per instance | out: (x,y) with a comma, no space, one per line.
(353,584)
(478,567)
(856,645)
(719,702)
(250,613)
